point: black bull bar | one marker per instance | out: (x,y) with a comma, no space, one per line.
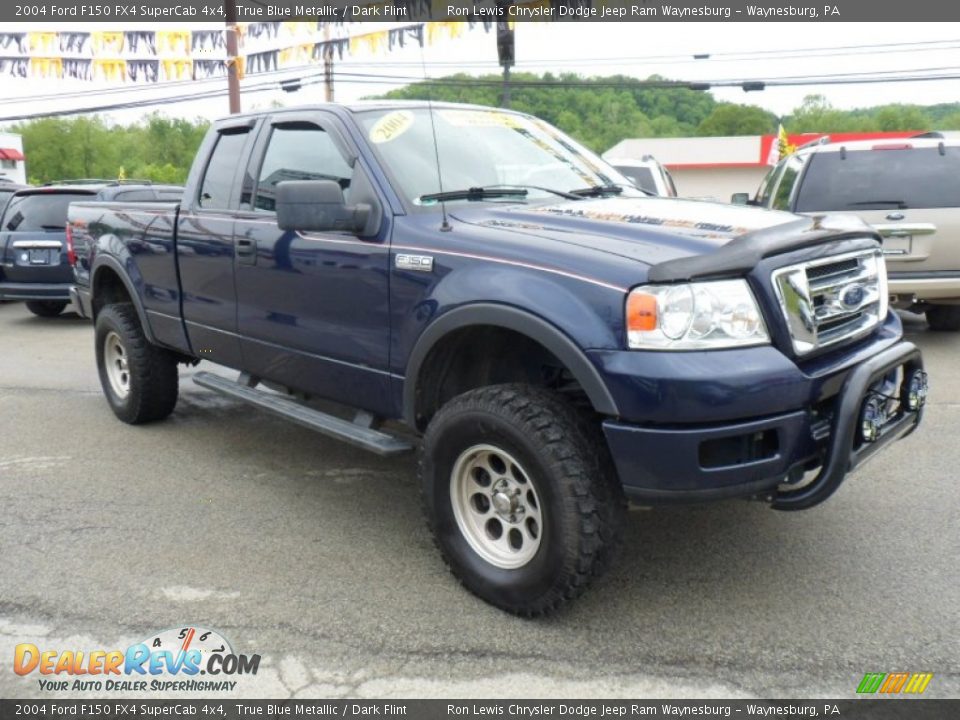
(842,454)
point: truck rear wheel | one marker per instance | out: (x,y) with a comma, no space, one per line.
(140,380)
(521,497)
(944,317)
(46,308)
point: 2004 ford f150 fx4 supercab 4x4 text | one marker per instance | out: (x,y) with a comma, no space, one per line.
(561,341)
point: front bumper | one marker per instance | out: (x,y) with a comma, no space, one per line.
(692,463)
(34,291)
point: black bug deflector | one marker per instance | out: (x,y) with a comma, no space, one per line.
(843,454)
(745,252)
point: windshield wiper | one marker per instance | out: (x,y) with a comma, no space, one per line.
(475,193)
(899,203)
(552,191)
(597,191)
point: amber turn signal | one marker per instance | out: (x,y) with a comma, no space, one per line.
(641,312)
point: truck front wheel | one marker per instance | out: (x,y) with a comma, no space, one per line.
(139,380)
(520,495)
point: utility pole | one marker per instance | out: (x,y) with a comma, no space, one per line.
(505,51)
(327,65)
(233,75)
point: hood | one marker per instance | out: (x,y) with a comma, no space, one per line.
(649,229)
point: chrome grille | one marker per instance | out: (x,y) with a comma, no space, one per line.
(834,299)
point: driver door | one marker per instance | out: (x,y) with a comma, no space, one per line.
(312,308)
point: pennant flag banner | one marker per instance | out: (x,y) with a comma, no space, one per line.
(173,55)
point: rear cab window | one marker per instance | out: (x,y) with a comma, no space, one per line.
(881,179)
(217,185)
(39,211)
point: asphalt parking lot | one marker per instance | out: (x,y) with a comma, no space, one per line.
(314,555)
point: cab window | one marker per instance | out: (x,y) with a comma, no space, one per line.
(299,151)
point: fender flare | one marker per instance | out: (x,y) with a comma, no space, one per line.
(108,261)
(534,327)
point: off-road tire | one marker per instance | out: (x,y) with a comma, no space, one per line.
(563,450)
(153,377)
(944,318)
(46,308)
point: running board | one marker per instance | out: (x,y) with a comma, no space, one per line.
(358,433)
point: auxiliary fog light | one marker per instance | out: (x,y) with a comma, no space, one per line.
(916,387)
(872,419)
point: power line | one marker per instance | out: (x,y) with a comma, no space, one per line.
(380,79)
(699,58)
(780,53)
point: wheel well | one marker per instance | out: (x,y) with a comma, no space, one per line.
(108,288)
(478,356)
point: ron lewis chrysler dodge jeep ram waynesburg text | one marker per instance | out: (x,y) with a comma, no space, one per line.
(559,340)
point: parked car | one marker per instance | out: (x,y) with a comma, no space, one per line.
(908,190)
(554,344)
(647,174)
(34,244)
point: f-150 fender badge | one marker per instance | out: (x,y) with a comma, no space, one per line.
(420,263)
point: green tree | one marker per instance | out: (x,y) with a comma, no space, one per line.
(157,148)
(902,117)
(732,119)
(817,115)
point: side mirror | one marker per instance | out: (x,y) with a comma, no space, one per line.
(740,199)
(317,205)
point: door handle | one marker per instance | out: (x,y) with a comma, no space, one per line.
(895,216)
(246,251)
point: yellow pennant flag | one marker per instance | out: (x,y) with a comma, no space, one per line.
(177,69)
(46,68)
(42,42)
(372,42)
(110,70)
(106,43)
(173,42)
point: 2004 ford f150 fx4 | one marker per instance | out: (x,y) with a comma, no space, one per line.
(559,341)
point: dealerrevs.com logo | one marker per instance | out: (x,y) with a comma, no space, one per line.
(180,659)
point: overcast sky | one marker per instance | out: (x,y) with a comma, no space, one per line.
(636,49)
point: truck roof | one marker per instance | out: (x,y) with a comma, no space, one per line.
(361,105)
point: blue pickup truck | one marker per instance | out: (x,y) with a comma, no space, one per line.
(551,339)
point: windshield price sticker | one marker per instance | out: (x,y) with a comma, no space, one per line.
(481,118)
(391,126)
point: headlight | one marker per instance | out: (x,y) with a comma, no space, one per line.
(694,316)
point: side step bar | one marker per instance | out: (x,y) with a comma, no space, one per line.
(358,433)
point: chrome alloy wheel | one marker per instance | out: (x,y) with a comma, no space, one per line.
(496,506)
(115,362)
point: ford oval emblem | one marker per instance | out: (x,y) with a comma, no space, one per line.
(852,296)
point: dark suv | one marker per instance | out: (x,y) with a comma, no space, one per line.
(35,249)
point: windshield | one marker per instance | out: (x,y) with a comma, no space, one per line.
(482,149)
